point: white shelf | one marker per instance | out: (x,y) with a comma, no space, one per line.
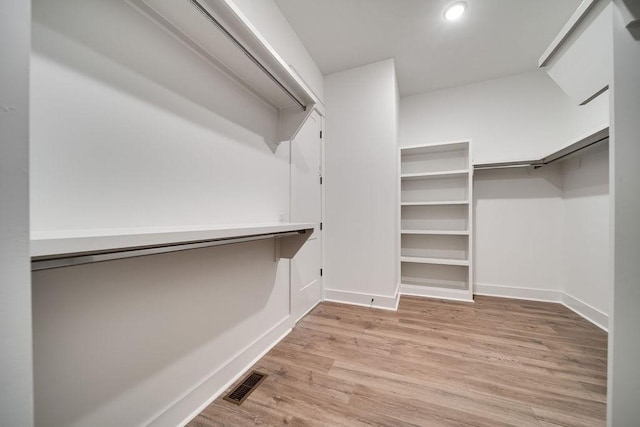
(190,25)
(439,261)
(437,203)
(591,140)
(437,232)
(439,174)
(430,148)
(65,243)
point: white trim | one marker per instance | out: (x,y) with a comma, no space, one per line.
(306,312)
(187,407)
(585,310)
(313,282)
(383,302)
(398,295)
(531,294)
(438,293)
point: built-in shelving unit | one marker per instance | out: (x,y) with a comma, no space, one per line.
(55,249)
(436,220)
(218,31)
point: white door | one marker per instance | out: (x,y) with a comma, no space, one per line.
(306,206)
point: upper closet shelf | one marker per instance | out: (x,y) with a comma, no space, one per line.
(591,140)
(417,150)
(65,248)
(219,31)
(572,24)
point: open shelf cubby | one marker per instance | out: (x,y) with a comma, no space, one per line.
(435,189)
(436,220)
(435,158)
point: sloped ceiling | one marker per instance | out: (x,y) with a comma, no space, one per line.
(494,38)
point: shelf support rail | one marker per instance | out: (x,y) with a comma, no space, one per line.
(46,263)
(246,51)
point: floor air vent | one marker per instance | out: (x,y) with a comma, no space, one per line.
(244,389)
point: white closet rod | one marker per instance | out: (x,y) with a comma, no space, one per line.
(246,51)
(46,263)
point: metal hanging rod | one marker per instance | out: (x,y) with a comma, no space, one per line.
(244,50)
(505,165)
(46,263)
(596,138)
(559,155)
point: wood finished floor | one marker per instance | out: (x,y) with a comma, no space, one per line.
(432,363)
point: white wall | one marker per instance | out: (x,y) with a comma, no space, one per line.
(118,343)
(142,134)
(519,213)
(518,232)
(624,346)
(585,183)
(522,117)
(361,185)
(131,129)
(16,374)
(271,23)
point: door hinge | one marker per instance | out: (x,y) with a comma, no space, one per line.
(320,226)
(320,134)
(321,272)
(320,180)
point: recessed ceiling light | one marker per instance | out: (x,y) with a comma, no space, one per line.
(454,11)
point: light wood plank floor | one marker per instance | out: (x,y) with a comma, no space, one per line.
(432,363)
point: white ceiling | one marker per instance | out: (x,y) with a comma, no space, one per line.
(494,38)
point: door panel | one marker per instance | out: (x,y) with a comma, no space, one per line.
(306,206)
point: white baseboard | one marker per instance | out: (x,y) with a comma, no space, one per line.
(590,313)
(294,321)
(547,295)
(581,308)
(191,404)
(438,293)
(355,298)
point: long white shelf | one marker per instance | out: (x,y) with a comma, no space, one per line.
(439,174)
(592,139)
(437,232)
(54,244)
(440,261)
(436,203)
(218,31)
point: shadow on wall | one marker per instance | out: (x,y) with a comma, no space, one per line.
(114,43)
(129,333)
(588,175)
(518,183)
